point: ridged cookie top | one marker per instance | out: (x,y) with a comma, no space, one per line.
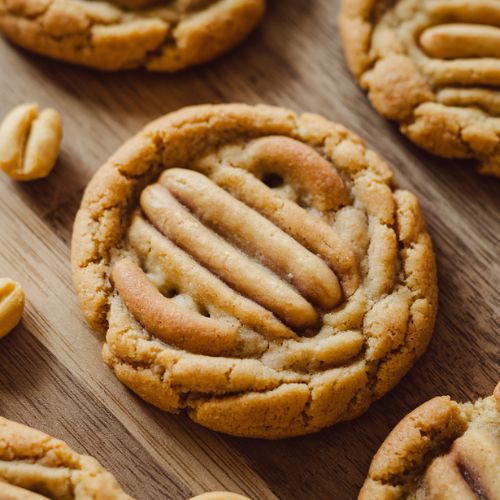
(433,66)
(35,466)
(441,450)
(248,258)
(160,35)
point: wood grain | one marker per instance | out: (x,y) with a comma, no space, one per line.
(51,374)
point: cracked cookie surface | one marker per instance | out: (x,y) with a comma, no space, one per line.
(433,66)
(255,268)
(35,466)
(441,450)
(167,35)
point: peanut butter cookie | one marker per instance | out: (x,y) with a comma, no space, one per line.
(163,35)
(255,268)
(443,450)
(35,466)
(433,66)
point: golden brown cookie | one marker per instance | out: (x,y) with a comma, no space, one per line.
(255,268)
(35,466)
(163,35)
(433,66)
(442,450)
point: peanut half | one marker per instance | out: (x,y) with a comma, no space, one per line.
(29,142)
(11,305)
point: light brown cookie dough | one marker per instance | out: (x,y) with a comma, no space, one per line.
(433,66)
(164,35)
(442,450)
(255,268)
(35,466)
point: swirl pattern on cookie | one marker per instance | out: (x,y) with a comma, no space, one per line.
(159,35)
(35,466)
(441,450)
(433,66)
(254,268)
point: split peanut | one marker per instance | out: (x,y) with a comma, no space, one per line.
(11,305)
(30,142)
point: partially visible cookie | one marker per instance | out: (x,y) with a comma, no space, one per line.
(35,466)
(433,66)
(442,450)
(258,269)
(164,35)
(219,495)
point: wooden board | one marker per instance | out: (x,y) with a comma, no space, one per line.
(51,374)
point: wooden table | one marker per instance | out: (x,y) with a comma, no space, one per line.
(51,374)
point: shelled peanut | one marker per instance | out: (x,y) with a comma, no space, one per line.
(30,142)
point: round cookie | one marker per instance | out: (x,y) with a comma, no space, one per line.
(163,35)
(433,66)
(220,495)
(255,268)
(35,466)
(441,450)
